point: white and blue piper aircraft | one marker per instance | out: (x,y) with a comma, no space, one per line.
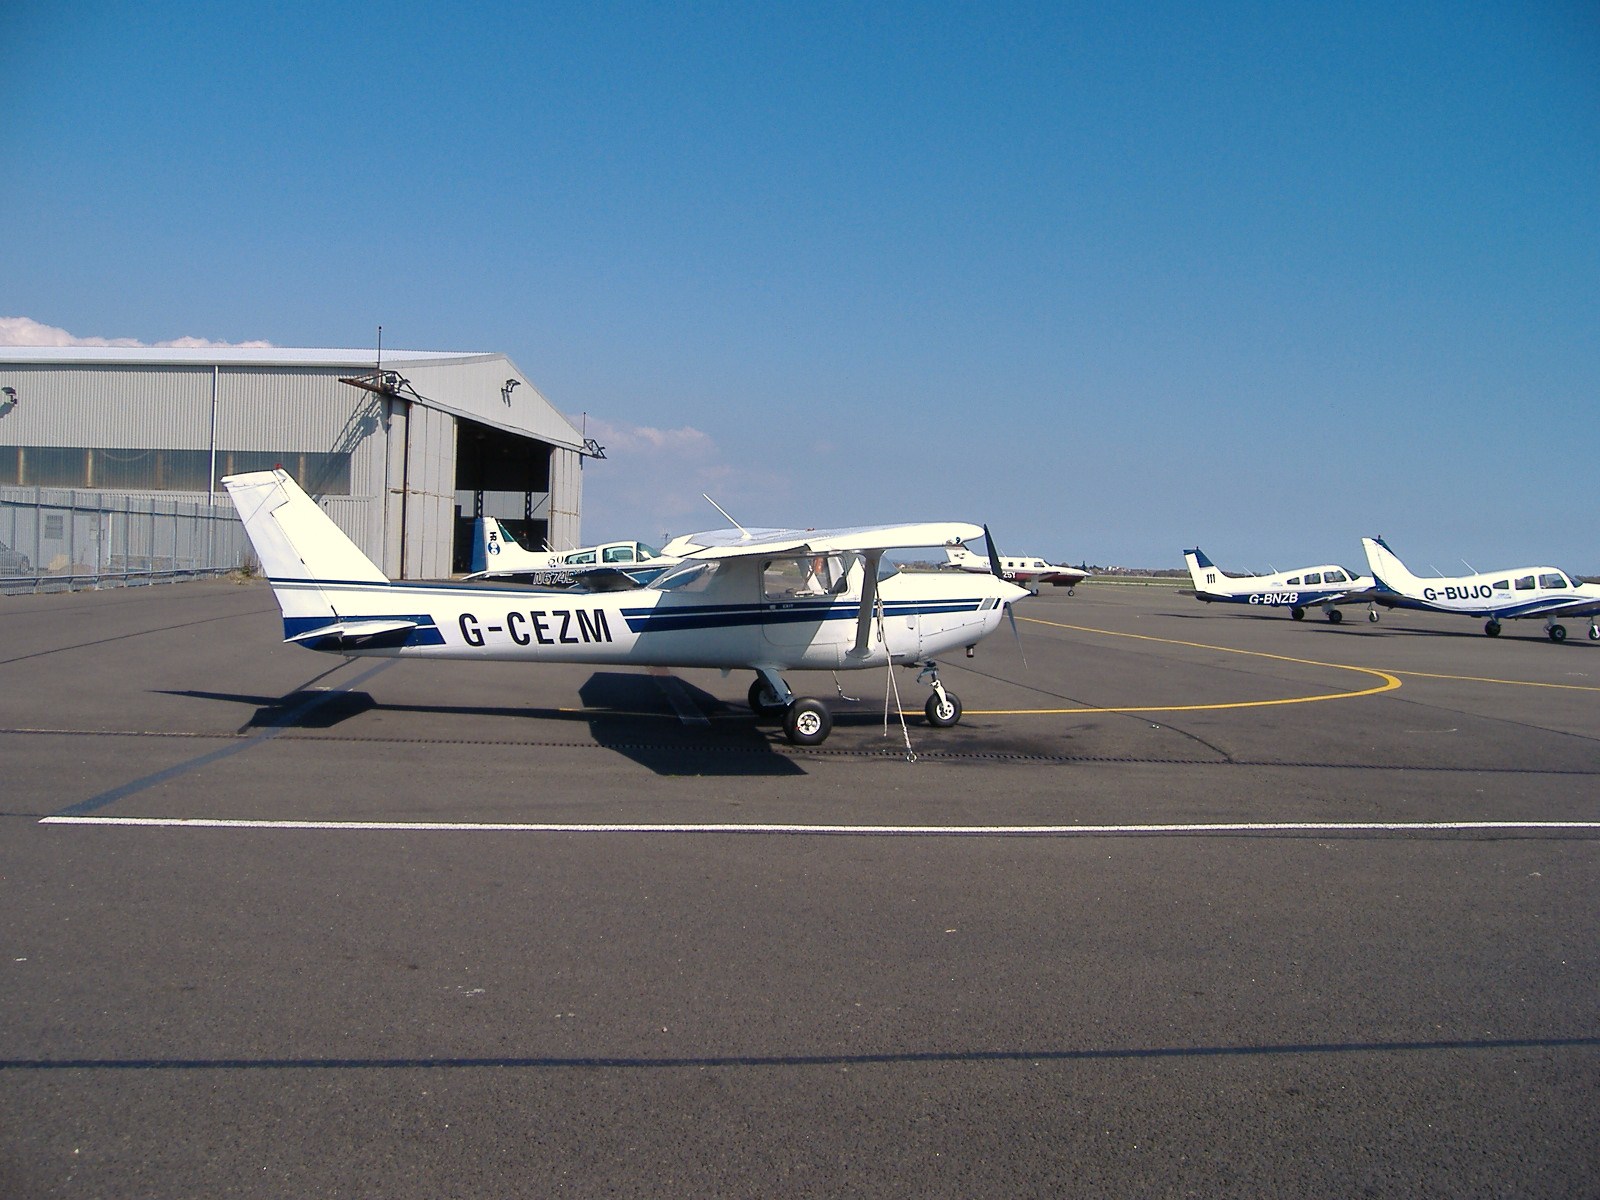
(767,600)
(1495,595)
(496,554)
(1329,586)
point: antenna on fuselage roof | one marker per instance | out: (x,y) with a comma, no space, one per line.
(743,532)
(1471,570)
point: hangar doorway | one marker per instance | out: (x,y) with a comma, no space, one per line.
(504,475)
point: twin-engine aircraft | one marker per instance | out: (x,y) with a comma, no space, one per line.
(768,601)
(1496,595)
(496,554)
(1329,586)
(1029,572)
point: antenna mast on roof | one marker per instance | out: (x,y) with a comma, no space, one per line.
(380,351)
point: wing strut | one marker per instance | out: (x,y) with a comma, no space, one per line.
(869,600)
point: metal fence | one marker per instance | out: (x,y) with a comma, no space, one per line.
(60,540)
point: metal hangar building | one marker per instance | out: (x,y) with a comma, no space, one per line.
(402,453)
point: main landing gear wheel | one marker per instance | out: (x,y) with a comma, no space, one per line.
(1492,628)
(1334,616)
(763,703)
(942,712)
(807,723)
(1298,613)
(1558,633)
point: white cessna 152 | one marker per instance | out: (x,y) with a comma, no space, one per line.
(1029,572)
(1498,595)
(496,554)
(768,600)
(1328,585)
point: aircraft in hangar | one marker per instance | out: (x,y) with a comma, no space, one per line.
(1329,586)
(1028,571)
(1517,593)
(768,601)
(496,554)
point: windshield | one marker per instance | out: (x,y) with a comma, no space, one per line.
(686,577)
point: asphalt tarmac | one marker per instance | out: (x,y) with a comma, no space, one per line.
(1199,902)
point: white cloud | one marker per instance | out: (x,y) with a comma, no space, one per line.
(25,331)
(651,482)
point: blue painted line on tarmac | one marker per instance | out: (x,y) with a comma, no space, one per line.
(281,725)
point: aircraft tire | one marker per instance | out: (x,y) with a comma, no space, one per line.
(1558,634)
(1492,628)
(942,716)
(1594,633)
(807,723)
(1373,616)
(761,704)
(1335,617)
(1298,613)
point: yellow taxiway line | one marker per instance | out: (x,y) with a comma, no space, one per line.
(1389,684)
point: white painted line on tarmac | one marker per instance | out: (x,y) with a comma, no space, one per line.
(844,830)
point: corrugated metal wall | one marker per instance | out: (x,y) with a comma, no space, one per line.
(287,408)
(430,493)
(144,408)
(566,497)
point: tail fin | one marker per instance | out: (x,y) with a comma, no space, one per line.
(496,549)
(294,539)
(1205,573)
(489,540)
(300,549)
(1388,571)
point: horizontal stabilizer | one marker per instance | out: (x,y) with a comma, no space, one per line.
(356,634)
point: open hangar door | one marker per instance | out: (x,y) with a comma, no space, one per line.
(504,475)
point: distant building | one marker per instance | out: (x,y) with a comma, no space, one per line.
(402,461)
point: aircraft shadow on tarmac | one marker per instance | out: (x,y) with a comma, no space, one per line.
(661,723)
(630,714)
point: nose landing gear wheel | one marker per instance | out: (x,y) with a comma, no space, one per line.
(807,723)
(942,713)
(763,703)
(1373,616)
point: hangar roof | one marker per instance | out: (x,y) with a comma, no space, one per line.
(189,356)
(541,420)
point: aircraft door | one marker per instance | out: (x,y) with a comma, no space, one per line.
(805,601)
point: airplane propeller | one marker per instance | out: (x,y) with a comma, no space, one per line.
(998,572)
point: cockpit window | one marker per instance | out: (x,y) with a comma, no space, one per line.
(1334,577)
(613,554)
(1552,579)
(805,576)
(1524,583)
(648,551)
(686,577)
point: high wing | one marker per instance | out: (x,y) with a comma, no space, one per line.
(872,541)
(738,543)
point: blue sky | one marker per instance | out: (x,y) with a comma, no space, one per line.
(1116,279)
